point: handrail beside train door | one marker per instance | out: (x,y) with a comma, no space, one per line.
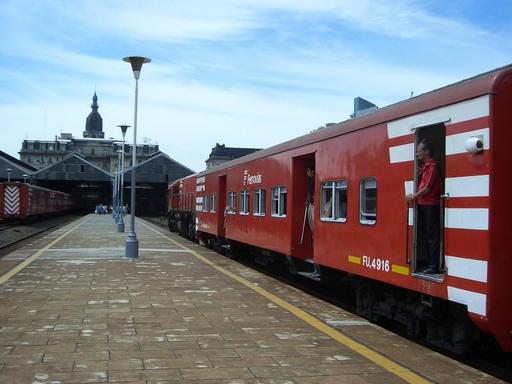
(407,261)
(442,205)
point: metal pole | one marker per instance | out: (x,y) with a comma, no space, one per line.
(113,192)
(132,244)
(119,184)
(122,175)
(120,222)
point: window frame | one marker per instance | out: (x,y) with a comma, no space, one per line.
(231,203)
(363,216)
(213,203)
(282,194)
(259,204)
(336,186)
(243,208)
(206,199)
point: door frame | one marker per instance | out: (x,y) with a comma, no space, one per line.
(436,135)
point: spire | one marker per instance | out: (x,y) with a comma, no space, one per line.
(94,104)
(94,122)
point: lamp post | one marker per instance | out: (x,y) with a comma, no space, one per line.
(120,223)
(25,177)
(114,178)
(132,244)
(119,186)
(115,183)
(8,174)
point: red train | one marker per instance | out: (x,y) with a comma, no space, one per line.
(363,230)
(21,201)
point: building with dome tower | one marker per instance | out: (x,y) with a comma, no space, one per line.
(94,122)
(92,146)
(86,166)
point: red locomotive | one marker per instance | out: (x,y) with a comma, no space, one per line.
(362,228)
(21,201)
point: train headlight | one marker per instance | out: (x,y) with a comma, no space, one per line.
(475,144)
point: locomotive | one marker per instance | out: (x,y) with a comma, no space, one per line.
(22,201)
(363,232)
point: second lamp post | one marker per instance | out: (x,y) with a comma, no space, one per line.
(120,222)
(132,244)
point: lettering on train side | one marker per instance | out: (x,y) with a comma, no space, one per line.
(376,263)
(251,179)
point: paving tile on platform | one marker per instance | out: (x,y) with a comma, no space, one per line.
(70,377)
(216,373)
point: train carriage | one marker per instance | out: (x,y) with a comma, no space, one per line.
(21,201)
(182,199)
(363,228)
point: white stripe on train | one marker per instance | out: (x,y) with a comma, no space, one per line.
(451,114)
(462,218)
(465,186)
(476,302)
(455,144)
(467,268)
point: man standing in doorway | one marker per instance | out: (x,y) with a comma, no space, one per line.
(428,199)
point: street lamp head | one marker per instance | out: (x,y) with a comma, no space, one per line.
(136,62)
(124,128)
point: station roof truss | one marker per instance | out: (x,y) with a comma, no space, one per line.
(18,167)
(73,167)
(159,168)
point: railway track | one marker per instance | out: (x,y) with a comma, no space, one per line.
(493,362)
(12,234)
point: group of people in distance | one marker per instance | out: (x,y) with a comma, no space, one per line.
(102,209)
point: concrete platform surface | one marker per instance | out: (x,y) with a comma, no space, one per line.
(75,310)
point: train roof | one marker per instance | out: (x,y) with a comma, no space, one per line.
(32,186)
(463,90)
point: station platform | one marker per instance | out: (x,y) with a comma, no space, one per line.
(73,309)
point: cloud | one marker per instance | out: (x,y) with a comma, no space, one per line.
(235,71)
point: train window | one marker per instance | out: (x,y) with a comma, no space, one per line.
(244,202)
(259,202)
(213,202)
(205,203)
(279,198)
(232,202)
(333,201)
(368,201)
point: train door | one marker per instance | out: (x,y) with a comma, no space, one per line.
(428,222)
(221,205)
(303,206)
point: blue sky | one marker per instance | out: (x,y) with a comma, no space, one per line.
(243,73)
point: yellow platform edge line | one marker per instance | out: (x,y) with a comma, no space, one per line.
(18,268)
(395,368)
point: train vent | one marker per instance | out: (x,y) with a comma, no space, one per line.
(363,107)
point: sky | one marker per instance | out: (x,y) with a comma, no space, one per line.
(236,72)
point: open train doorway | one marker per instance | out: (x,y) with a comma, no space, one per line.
(428,223)
(304,207)
(222,207)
